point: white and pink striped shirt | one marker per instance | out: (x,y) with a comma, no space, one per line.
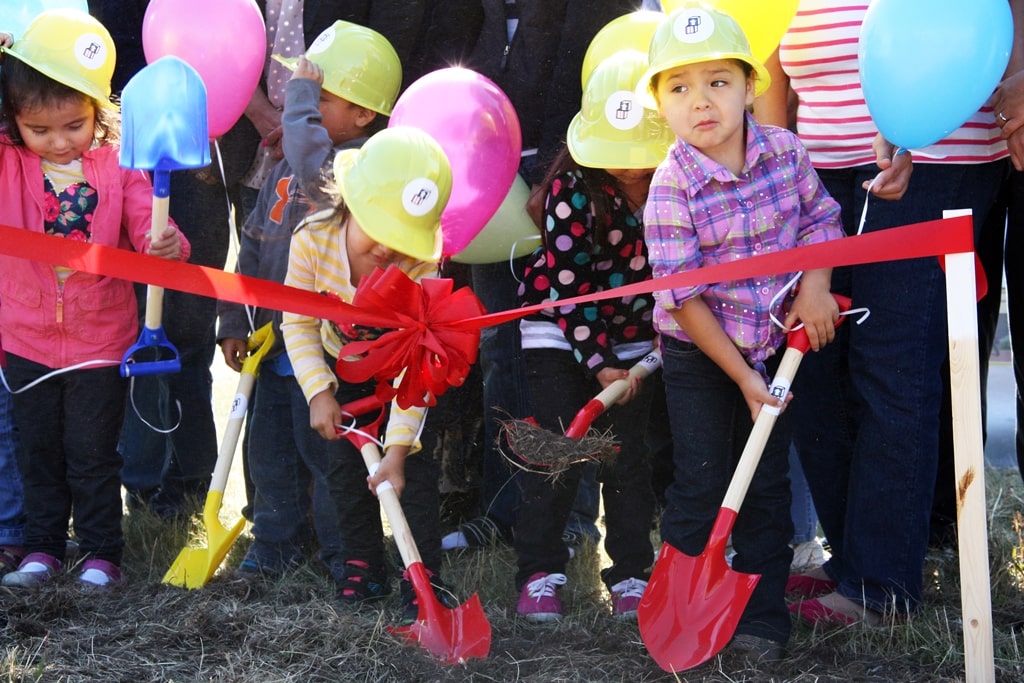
(819,54)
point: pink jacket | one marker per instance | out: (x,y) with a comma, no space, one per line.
(95,317)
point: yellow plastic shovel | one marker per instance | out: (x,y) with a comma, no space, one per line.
(195,566)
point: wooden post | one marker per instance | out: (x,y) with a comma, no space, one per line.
(965,388)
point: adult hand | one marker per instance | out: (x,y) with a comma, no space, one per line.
(894,178)
(1008,105)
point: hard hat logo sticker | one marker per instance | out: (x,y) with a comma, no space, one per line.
(90,51)
(622,110)
(419,196)
(694,26)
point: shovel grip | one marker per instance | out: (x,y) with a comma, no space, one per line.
(150,337)
(610,394)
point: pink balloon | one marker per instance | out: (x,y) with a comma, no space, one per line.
(477,127)
(225,41)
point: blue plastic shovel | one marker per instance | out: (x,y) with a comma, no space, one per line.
(163,129)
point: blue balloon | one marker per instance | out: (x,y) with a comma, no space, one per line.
(926,66)
(15,15)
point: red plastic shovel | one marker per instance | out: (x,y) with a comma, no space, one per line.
(451,635)
(692,605)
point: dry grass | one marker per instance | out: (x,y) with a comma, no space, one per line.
(292,631)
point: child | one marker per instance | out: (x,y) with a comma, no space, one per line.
(331,102)
(729,189)
(392,192)
(593,241)
(61,176)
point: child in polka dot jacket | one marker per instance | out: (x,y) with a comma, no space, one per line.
(592,241)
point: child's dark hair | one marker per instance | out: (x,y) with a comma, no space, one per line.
(746,67)
(23,88)
(594,181)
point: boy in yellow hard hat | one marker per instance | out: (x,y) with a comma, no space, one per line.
(730,189)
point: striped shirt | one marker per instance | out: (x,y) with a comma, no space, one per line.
(819,54)
(318,262)
(698,213)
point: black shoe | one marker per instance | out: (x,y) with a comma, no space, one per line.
(755,650)
(362,583)
(411,604)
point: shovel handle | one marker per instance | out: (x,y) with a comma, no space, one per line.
(154,294)
(610,394)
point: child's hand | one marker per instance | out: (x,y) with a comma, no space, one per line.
(234,351)
(756,394)
(168,246)
(307,69)
(815,307)
(608,376)
(6,39)
(392,469)
(324,414)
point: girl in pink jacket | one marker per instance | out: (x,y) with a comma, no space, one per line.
(59,174)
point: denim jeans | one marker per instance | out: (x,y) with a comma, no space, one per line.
(12,503)
(710,426)
(1014,265)
(626,490)
(805,519)
(286,458)
(866,408)
(68,427)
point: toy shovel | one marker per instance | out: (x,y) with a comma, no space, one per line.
(195,566)
(692,605)
(163,129)
(453,636)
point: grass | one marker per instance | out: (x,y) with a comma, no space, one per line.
(291,630)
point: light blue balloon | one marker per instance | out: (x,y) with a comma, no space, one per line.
(926,66)
(15,15)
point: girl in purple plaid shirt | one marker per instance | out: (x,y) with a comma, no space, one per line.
(729,189)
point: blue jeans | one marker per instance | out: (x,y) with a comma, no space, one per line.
(866,408)
(286,457)
(710,425)
(1014,265)
(12,504)
(805,519)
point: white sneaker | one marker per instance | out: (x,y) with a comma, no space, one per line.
(808,555)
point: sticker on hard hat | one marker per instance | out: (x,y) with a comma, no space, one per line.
(694,26)
(91,50)
(419,196)
(622,110)
(322,42)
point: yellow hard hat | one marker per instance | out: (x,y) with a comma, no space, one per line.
(359,65)
(695,33)
(632,31)
(612,128)
(72,48)
(396,185)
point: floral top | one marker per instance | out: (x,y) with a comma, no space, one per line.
(572,264)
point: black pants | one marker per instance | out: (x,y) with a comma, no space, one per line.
(70,467)
(559,387)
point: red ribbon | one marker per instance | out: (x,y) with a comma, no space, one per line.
(425,344)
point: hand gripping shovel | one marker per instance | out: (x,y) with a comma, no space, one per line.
(163,129)
(453,636)
(555,452)
(195,566)
(692,605)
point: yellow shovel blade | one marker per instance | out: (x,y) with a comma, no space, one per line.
(195,566)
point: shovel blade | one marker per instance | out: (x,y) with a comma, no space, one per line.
(691,607)
(194,567)
(452,636)
(163,118)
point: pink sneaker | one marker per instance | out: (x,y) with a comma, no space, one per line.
(35,568)
(100,574)
(538,601)
(626,598)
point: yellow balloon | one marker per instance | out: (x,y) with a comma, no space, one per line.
(764,21)
(631,31)
(510,232)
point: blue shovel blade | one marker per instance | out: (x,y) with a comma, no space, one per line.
(164,119)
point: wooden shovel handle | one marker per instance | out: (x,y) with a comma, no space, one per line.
(610,394)
(392,508)
(154,294)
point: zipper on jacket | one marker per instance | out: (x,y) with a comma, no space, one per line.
(504,56)
(60,305)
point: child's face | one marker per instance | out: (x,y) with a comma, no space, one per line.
(704,104)
(59,133)
(342,119)
(364,249)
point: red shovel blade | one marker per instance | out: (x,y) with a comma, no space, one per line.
(451,635)
(692,605)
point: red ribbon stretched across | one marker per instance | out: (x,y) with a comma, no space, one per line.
(425,344)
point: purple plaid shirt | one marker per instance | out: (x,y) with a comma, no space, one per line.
(698,213)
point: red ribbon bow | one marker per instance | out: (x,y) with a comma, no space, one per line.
(430,343)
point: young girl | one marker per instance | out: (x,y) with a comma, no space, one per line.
(729,189)
(593,241)
(60,173)
(392,192)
